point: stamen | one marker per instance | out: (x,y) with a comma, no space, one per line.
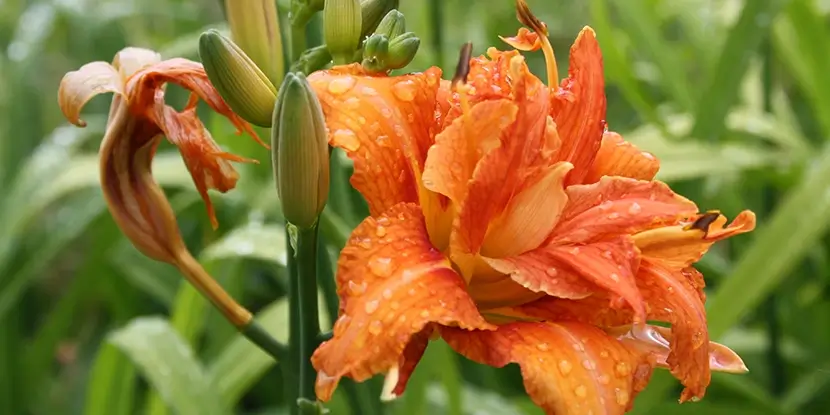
(704,222)
(459,80)
(527,18)
(389,384)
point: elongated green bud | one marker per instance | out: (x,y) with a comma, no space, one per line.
(372,11)
(255,27)
(239,81)
(341,29)
(392,25)
(375,51)
(300,152)
(402,50)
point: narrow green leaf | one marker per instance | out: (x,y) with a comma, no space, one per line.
(168,363)
(806,389)
(254,241)
(724,82)
(111,386)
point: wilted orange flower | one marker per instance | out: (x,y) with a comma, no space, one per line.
(138,119)
(507,220)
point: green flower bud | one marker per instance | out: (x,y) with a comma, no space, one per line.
(255,28)
(402,50)
(341,29)
(300,152)
(238,80)
(372,11)
(312,60)
(392,25)
(375,51)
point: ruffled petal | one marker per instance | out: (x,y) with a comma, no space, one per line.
(568,368)
(392,283)
(682,245)
(576,272)
(525,40)
(385,124)
(616,206)
(657,341)
(578,106)
(617,157)
(78,87)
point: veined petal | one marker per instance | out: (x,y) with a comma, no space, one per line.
(78,87)
(385,124)
(392,283)
(657,341)
(618,205)
(683,245)
(671,298)
(576,272)
(617,157)
(524,40)
(579,105)
(130,60)
(568,368)
(530,216)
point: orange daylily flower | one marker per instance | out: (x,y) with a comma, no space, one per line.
(507,220)
(137,121)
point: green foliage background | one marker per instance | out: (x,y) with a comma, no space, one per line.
(733,96)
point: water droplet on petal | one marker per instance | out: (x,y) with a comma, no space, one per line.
(381,266)
(588,364)
(342,85)
(543,347)
(603,354)
(380,231)
(375,327)
(357,289)
(371,306)
(615,277)
(603,379)
(405,90)
(425,314)
(622,369)
(635,208)
(383,140)
(565,367)
(346,139)
(581,391)
(551,272)
(367,90)
(621,396)
(387,293)
(352,103)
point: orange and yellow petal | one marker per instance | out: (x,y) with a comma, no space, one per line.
(385,125)
(683,245)
(578,106)
(617,157)
(575,272)
(568,368)
(618,206)
(392,283)
(525,40)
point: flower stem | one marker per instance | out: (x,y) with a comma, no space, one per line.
(298,32)
(293,364)
(309,327)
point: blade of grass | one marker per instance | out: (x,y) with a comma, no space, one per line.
(111,386)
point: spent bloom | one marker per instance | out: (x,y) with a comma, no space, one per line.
(138,119)
(507,220)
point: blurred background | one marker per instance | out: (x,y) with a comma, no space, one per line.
(733,96)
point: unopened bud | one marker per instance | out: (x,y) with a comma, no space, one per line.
(300,152)
(392,25)
(341,29)
(372,11)
(238,80)
(255,28)
(375,52)
(402,50)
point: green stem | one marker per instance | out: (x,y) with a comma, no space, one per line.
(258,336)
(298,32)
(309,320)
(292,365)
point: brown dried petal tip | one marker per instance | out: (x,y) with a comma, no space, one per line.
(463,67)
(527,18)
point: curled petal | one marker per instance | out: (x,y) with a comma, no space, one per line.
(395,385)
(618,205)
(681,246)
(576,272)
(657,341)
(568,368)
(579,105)
(130,60)
(392,284)
(525,40)
(78,87)
(617,157)
(385,124)
(530,216)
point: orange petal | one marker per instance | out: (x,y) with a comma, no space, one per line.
(656,340)
(617,157)
(681,246)
(524,40)
(617,205)
(412,353)
(385,124)
(506,170)
(530,216)
(578,271)
(392,283)
(673,299)
(598,310)
(78,87)
(568,368)
(578,106)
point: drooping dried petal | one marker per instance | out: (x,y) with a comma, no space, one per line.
(568,368)
(392,283)
(78,87)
